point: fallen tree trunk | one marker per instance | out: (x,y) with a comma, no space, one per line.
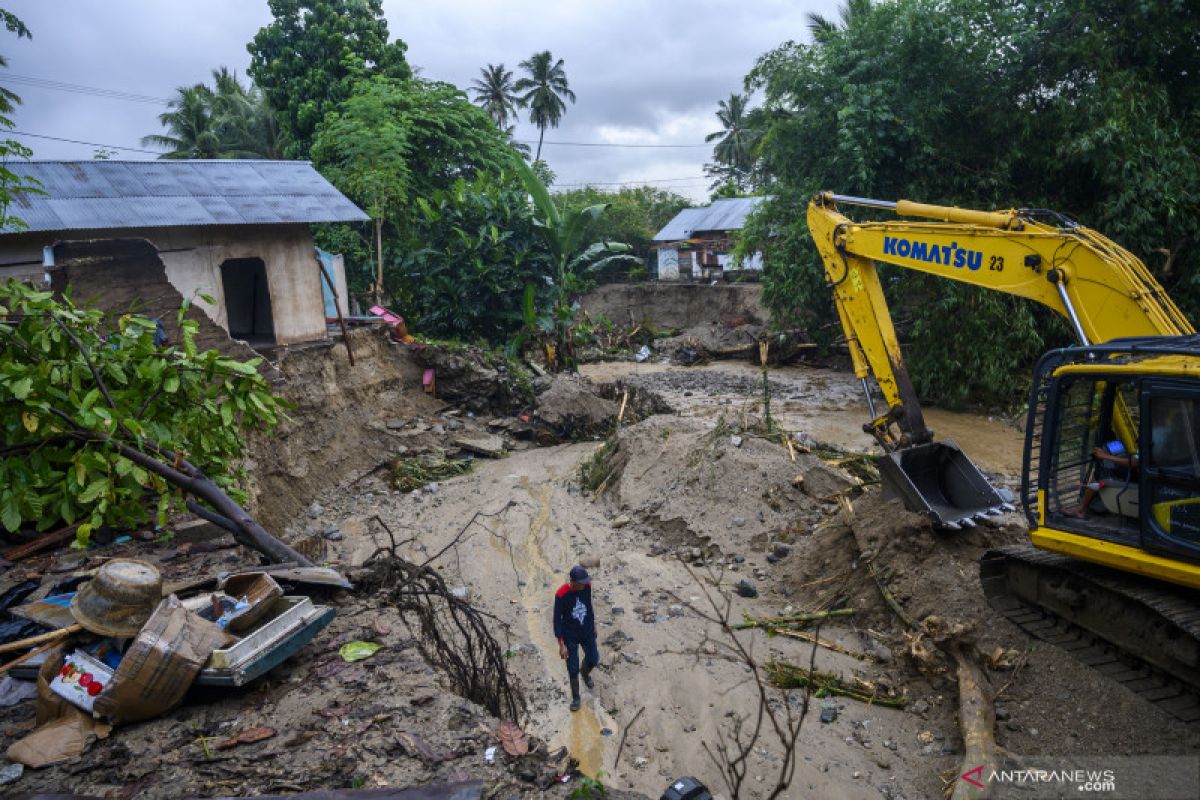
(178,471)
(977,720)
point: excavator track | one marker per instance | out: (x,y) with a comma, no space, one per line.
(1144,635)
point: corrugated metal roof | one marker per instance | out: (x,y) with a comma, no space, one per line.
(722,215)
(90,195)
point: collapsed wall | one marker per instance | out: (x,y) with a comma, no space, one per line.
(677,306)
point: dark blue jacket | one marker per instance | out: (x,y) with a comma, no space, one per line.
(573,616)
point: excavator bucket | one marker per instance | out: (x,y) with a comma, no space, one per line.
(940,481)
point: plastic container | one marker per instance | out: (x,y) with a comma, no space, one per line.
(81,679)
(285,616)
(686,789)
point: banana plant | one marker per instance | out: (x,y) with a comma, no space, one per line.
(572,259)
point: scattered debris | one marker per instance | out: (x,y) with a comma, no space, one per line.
(357,651)
(513,739)
(249,736)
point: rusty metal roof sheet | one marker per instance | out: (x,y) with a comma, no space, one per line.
(91,195)
(721,215)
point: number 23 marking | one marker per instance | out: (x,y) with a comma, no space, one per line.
(996,263)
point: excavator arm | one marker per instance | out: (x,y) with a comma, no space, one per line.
(1103,290)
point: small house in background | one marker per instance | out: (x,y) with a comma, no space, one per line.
(236,232)
(697,244)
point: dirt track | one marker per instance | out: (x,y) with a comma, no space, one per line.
(688,492)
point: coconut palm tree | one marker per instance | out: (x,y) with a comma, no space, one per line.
(494,94)
(544,90)
(190,129)
(821,27)
(735,142)
(227,120)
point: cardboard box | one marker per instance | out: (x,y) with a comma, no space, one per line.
(160,664)
(81,679)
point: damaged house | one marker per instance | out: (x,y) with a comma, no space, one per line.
(698,243)
(148,234)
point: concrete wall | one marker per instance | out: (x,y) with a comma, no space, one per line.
(677,306)
(193,256)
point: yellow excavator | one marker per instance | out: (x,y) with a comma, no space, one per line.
(1111,472)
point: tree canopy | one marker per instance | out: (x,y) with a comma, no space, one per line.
(1088,107)
(226,120)
(310,57)
(633,216)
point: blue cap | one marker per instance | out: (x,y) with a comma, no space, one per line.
(579,574)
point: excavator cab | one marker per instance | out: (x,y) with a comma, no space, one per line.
(1113,451)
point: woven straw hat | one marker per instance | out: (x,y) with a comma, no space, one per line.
(119,600)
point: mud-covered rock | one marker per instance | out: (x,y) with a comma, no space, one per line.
(478,379)
(570,407)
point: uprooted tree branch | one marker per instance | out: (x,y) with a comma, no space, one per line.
(107,426)
(452,635)
(773,718)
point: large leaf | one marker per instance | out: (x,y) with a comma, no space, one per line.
(541,197)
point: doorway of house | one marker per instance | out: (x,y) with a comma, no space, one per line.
(248,300)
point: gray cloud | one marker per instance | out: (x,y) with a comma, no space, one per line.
(644,72)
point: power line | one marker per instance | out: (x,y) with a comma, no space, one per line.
(118,94)
(59,86)
(611,144)
(629,183)
(90,144)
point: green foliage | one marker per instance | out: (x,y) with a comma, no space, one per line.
(310,57)
(471,252)
(415,473)
(225,120)
(11,182)
(588,788)
(74,386)
(573,256)
(394,141)
(1085,107)
(542,91)
(733,154)
(633,216)
(495,93)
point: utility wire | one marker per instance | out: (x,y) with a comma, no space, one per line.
(117,94)
(90,144)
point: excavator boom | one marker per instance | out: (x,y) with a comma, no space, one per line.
(1103,290)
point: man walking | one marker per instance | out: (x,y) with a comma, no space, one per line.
(575,627)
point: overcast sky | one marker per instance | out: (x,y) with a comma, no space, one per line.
(645,72)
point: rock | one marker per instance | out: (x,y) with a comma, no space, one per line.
(1033,732)
(454,425)
(772,558)
(11,774)
(882,653)
(571,407)
(621,521)
(640,762)
(739,521)
(439,429)
(462,593)
(1002,713)
(675,611)
(589,562)
(739,559)
(316,510)
(919,707)
(395,424)
(745,588)
(736,441)
(484,444)
(781,549)
(333,534)
(882,761)
(696,553)
(616,611)
(829,712)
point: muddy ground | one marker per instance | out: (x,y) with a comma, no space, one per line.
(692,503)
